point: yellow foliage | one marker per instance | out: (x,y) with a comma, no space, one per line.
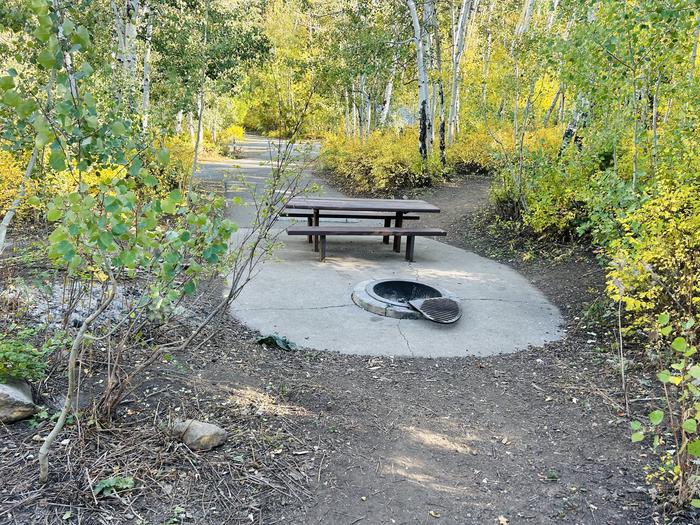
(227,137)
(384,162)
(656,263)
(11,174)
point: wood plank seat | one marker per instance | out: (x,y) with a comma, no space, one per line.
(387,217)
(339,214)
(382,231)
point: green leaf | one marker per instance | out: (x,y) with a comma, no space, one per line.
(42,33)
(12,98)
(115,484)
(46,59)
(68,27)
(26,108)
(679,344)
(54,214)
(112,204)
(7,82)
(664,376)
(163,156)
(663,319)
(635,425)
(57,160)
(189,288)
(118,128)
(694,448)
(105,239)
(150,180)
(656,417)
(637,436)
(695,503)
(168,206)
(690,425)
(666,330)
(694,371)
(81,37)
(119,229)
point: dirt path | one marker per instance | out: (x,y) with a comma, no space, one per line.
(533,437)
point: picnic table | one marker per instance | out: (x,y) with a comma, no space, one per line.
(388,209)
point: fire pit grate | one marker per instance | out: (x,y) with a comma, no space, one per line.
(440,310)
(395,298)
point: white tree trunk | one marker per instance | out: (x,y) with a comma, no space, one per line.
(178,122)
(348,123)
(146,103)
(423,91)
(388,91)
(461,33)
(126,19)
(486,58)
(694,52)
(362,111)
(190,125)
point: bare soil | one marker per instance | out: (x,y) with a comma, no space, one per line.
(321,438)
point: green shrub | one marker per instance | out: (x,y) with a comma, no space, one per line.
(19,359)
(655,264)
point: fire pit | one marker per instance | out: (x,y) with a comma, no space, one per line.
(405,299)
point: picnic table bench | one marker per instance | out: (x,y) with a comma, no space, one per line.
(340,214)
(396,210)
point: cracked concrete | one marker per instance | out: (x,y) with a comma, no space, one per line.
(309,302)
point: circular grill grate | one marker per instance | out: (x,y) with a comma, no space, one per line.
(440,310)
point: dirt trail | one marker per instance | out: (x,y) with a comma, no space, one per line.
(532,437)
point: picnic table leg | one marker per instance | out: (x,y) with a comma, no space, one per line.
(323,247)
(410,245)
(316,222)
(387,224)
(310,222)
(398,223)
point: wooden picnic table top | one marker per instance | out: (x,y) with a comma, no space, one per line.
(354,204)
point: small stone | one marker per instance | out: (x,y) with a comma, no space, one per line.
(199,435)
(16,401)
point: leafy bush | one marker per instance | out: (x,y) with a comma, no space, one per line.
(383,163)
(19,359)
(675,427)
(656,262)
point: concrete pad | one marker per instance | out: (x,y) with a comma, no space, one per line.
(308,301)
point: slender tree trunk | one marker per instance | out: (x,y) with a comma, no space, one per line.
(348,123)
(423,95)
(654,123)
(200,105)
(178,122)
(694,51)
(440,94)
(487,56)
(354,110)
(126,19)
(147,70)
(553,105)
(362,112)
(461,34)
(388,91)
(190,125)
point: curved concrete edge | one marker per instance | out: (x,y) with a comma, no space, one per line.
(310,302)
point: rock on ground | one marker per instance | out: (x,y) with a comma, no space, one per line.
(16,401)
(199,435)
